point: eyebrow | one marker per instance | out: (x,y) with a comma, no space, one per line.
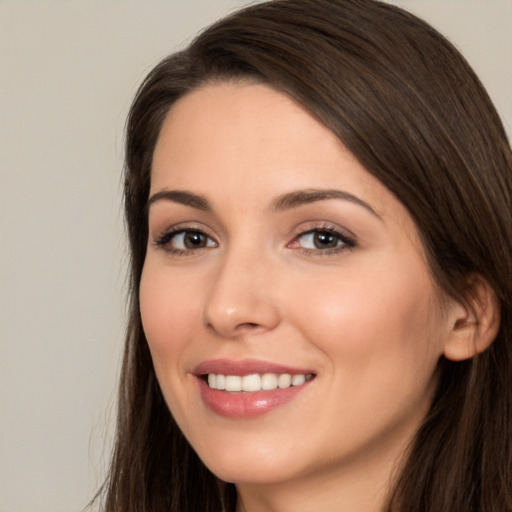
(302,197)
(181,197)
(284,202)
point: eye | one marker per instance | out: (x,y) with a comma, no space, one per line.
(191,240)
(319,240)
(185,240)
(323,240)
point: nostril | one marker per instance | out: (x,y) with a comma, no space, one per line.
(241,326)
(247,325)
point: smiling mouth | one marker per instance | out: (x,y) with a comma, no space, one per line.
(255,382)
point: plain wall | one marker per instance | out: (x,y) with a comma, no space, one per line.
(68,71)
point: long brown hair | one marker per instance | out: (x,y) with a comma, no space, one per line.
(412,111)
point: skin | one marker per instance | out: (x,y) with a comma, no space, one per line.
(364,318)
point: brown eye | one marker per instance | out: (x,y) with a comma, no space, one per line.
(320,239)
(194,240)
(185,240)
(325,240)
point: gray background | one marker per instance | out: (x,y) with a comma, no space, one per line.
(68,71)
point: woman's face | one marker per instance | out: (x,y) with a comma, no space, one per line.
(275,259)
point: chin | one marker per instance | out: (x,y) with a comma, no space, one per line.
(254,463)
(251,474)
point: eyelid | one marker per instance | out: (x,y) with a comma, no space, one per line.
(181,226)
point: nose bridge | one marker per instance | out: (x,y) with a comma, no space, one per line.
(240,298)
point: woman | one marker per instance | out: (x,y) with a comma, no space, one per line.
(318,201)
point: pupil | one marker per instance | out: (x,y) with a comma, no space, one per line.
(194,240)
(324,240)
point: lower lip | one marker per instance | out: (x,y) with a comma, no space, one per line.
(247,405)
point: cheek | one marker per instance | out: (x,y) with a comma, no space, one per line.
(169,311)
(170,316)
(380,339)
(367,317)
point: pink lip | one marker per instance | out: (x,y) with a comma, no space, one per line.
(244,367)
(241,404)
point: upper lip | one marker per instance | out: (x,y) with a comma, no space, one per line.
(245,367)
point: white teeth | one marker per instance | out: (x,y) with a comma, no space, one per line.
(298,380)
(269,381)
(284,380)
(251,382)
(233,383)
(256,382)
(221,381)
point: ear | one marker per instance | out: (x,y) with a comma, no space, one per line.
(474,323)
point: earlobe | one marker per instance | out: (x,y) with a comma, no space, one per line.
(474,323)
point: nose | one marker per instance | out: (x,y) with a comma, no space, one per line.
(241,299)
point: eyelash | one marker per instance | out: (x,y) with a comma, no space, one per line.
(164,241)
(345,241)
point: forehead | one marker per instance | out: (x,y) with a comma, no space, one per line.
(226,126)
(232,140)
